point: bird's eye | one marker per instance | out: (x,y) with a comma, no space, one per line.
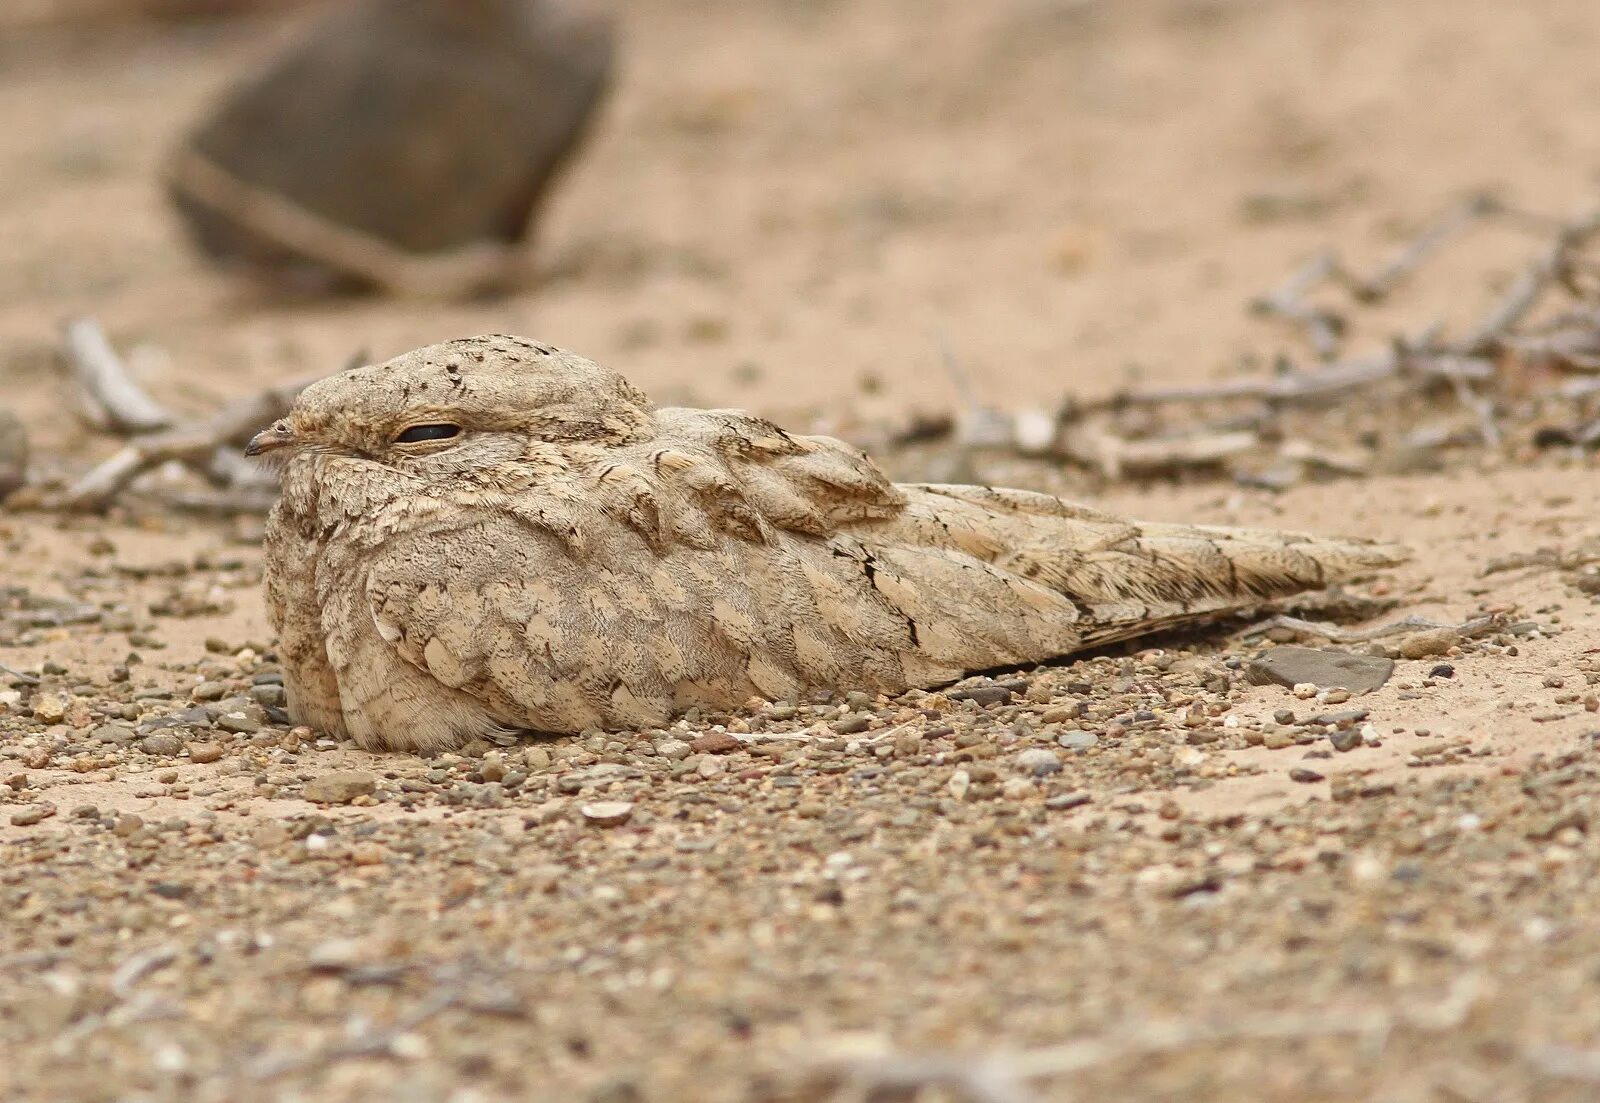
(418,433)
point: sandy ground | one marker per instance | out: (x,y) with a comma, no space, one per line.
(790,206)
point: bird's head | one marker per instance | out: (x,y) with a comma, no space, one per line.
(451,408)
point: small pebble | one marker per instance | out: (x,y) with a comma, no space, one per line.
(673,750)
(1425,645)
(269,694)
(1063,801)
(608,813)
(1017,788)
(163,742)
(340,786)
(240,723)
(494,767)
(715,743)
(32,814)
(1039,762)
(116,734)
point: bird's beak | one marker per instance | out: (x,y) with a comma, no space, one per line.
(278,435)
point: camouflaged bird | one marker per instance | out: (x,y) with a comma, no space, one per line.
(492,534)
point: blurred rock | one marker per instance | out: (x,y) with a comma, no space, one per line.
(13,452)
(401,145)
(39,13)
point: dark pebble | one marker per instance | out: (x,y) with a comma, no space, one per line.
(983,696)
(185,718)
(269,694)
(1344,739)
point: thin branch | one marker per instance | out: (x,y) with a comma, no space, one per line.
(1324,328)
(455,274)
(378,1042)
(227,502)
(127,975)
(111,399)
(19,676)
(1000,1077)
(1405,263)
(1525,292)
(1286,387)
(191,445)
(980,425)
(1113,455)
(1477,626)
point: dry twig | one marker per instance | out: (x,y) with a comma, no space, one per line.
(1540,276)
(1114,456)
(18,676)
(1477,626)
(110,397)
(847,1075)
(193,445)
(1405,263)
(456,274)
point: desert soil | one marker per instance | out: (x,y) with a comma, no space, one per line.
(1134,876)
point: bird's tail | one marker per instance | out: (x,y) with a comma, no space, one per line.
(1065,576)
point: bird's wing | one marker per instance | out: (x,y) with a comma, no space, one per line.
(562,617)
(746,475)
(1123,577)
(501,609)
(968,577)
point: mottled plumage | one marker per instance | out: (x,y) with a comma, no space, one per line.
(573,557)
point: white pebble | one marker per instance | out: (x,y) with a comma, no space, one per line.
(960,782)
